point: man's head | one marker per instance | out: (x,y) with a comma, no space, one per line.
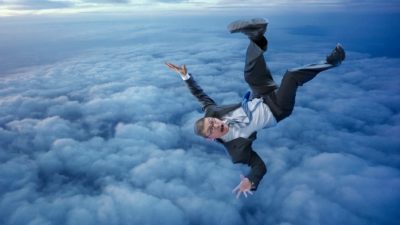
(210,127)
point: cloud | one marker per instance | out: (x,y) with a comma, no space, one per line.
(36,5)
(105,135)
(11,7)
(57,4)
(107,1)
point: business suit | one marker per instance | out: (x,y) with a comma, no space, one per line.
(240,148)
(279,100)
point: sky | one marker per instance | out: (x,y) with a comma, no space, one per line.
(94,129)
(24,7)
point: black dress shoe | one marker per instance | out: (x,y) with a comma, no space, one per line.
(337,55)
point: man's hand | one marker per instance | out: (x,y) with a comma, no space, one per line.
(243,187)
(180,70)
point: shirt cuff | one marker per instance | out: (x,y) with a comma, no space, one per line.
(186,77)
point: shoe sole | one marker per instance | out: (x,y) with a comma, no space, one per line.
(239,25)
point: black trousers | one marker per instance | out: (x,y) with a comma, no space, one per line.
(281,99)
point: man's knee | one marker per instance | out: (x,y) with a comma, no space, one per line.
(290,76)
(283,115)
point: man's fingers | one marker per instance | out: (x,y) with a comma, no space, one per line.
(248,192)
(177,69)
(238,194)
(236,188)
(172,66)
(169,64)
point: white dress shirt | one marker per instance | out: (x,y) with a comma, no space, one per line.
(262,118)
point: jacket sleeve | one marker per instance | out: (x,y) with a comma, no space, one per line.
(257,171)
(204,100)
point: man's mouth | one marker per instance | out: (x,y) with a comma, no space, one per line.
(222,128)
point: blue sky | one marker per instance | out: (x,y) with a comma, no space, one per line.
(95,130)
(23,7)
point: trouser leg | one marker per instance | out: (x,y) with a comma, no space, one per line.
(293,78)
(256,71)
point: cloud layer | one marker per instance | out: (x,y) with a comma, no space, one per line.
(106,136)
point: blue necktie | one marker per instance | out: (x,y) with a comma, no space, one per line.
(245,105)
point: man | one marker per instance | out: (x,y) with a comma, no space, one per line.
(235,126)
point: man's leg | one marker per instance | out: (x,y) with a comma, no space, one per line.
(293,78)
(256,71)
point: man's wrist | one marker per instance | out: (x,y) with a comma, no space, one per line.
(186,76)
(252,184)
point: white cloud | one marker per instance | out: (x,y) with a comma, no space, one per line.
(249,7)
(38,4)
(105,135)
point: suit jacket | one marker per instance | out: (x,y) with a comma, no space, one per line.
(239,149)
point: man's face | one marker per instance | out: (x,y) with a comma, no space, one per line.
(214,127)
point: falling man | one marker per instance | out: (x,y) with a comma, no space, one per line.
(235,126)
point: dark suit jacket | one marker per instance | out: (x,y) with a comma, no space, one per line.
(240,148)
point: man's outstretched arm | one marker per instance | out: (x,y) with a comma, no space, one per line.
(258,169)
(204,100)
(257,172)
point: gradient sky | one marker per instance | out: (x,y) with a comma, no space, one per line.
(23,7)
(94,130)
